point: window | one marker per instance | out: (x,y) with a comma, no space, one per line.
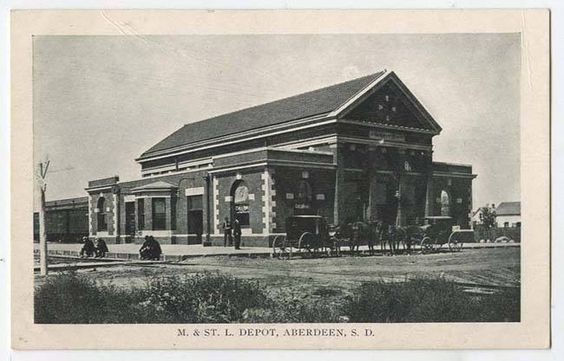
(173,213)
(195,203)
(506,224)
(102,224)
(304,196)
(141,214)
(445,203)
(159,214)
(241,203)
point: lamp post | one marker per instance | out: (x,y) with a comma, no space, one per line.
(43,268)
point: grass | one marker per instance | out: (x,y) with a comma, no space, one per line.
(220,298)
(429,300)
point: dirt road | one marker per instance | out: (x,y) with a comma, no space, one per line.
(495,267)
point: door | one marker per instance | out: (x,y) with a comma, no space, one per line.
(129,222)
(195,219)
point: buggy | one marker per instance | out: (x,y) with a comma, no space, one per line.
(306,234)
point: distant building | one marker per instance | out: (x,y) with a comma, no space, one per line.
(508,214)
(66,220)
(358,150)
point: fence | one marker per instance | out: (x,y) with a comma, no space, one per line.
(480,233)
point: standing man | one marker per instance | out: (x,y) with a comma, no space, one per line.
(237,233)
(227,236)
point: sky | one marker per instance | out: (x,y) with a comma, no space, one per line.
(101,101)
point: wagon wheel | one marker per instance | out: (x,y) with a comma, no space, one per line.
(279,247)
(427,245)
(306,241)
(453,244)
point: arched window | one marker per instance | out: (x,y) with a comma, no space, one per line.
(102,225)
(445,203)
(304,197)
(240,194)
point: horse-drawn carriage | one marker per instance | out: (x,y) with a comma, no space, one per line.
(305,234)
(310,235)
(439,231)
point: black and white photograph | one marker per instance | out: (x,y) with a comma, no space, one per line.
(285,179)
(293,178)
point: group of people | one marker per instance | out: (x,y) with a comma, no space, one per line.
(97,248)
(150,249)
(232,232)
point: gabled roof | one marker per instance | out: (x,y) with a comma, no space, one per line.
(160,185)
(508,209)
(330,100)
(315,102)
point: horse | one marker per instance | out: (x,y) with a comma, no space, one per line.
(360,232)
(413,235)
(395,236)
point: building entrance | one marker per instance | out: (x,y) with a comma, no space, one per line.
(129,222)
(195,219)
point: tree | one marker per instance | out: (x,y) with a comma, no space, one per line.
(487,218)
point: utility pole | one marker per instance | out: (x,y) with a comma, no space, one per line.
(43,167)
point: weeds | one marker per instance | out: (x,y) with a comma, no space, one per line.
(220,298)
(429,300)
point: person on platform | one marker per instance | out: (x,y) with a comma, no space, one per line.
(355,236)
(150,249)
(101,248)
(227,233)
(392,239)
(88,248)
(237,233)
(373,234)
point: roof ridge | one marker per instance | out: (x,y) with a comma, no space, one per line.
(313,102)
(375,75)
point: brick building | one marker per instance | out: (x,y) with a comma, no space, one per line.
(357,150)
(66,220)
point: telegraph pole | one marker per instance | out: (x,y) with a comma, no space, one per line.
(43,167)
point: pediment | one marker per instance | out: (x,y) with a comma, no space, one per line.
(390,103)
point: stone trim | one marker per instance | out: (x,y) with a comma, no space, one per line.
(90,208)
(195,191)
(156,233)
(115,214)
(215,182)
(268,192)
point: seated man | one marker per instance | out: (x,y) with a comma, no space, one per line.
(88,247)
(101,248)
(151,249)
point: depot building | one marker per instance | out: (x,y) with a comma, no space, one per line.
(361,150)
